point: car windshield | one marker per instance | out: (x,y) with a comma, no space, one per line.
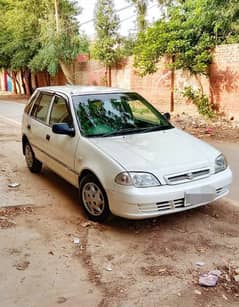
(117,114)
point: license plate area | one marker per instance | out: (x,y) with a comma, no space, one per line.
(199,196)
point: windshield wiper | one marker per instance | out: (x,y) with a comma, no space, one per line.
(156,128)
(124,131)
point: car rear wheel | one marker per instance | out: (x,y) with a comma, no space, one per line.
(33,164)
(93,198)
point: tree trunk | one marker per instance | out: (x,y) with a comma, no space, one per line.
(172,86)
(34,81)
(109,76)
(67,72)
(18,84)
(57,16)
(14,85)
(26,80)
(22,84)
(48,78)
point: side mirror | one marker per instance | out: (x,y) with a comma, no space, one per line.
(167,116)
(63,128)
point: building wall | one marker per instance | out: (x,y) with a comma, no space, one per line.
(155,87)
(222,86)
(224,79)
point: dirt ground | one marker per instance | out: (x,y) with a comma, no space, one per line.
(121,263)
(218,129)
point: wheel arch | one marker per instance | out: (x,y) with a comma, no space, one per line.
(86,172)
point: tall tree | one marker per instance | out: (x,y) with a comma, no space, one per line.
(141,11)
(18,38)
(33,39)
(106,46)
(60,40)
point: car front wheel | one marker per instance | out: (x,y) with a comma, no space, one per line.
(33,164)
(93,198)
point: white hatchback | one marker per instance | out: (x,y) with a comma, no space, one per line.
(121,153)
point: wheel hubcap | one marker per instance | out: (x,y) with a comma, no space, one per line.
(29,156)
(93,199)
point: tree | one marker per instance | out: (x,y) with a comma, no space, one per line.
(18,43)
(60,40)
(188,35)
(194,28)
(106,47)
(141,11)
(31,39)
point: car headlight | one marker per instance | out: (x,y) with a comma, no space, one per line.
(220,163)
(138,179)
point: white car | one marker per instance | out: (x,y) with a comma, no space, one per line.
(121,153)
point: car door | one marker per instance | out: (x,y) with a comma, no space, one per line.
(37,125)
(62,148)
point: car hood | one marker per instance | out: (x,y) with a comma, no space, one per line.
(160,152)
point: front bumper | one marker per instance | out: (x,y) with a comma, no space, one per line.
(140,203)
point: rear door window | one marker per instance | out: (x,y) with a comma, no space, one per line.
(41,107)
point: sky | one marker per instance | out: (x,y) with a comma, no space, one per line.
(127,16)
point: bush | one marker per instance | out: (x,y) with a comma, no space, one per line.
(204,106)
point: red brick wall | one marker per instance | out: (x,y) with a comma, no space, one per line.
(224,79)
(222,87)
(154,87)
(90,73)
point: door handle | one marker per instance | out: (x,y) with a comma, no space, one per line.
(48,137)
(29,127)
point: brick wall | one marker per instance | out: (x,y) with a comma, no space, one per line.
(154,87)
(224,79)
(222,86)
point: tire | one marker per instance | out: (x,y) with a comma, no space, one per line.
(33,164)
(93,199)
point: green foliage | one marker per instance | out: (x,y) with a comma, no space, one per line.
(18,28)
(28,36)
(141,11)
(189,33)
(201,101)
(106,47)
(59,39)
(127,45)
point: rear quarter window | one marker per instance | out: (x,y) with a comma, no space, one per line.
(41,107)
(30,103)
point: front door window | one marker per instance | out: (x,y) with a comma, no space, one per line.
(60,112)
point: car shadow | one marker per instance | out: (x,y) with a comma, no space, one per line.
(66,191)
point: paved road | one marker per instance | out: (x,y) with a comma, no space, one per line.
(13,111)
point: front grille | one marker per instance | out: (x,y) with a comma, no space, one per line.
(187,177)
(161,206)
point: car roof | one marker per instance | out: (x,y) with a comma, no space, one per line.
(73,90)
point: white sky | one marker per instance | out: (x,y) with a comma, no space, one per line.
(127,16)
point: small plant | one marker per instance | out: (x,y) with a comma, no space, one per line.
(204,106)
